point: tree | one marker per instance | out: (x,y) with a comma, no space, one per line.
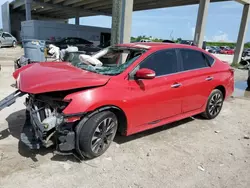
(178,40)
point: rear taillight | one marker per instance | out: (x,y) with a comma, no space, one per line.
(231,71)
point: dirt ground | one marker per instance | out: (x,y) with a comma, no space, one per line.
(190,153)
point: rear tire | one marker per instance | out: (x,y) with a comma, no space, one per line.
(97,134)
(214,104)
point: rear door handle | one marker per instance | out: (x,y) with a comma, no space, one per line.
(176,85)
(209,78)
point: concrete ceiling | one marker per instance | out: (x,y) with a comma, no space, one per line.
(64,9)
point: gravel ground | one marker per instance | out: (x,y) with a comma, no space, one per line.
(189,153)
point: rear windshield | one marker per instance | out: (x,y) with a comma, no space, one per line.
(114,60)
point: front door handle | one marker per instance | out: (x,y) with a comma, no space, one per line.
(209,78)
(176,85)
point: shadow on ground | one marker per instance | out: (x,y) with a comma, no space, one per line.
(17,120)
(119,139)
(241,89)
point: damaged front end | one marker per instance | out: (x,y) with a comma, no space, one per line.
(46,125)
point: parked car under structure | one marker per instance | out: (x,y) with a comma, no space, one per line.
(7,40)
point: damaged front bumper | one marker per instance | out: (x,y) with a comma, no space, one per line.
(35,133)
(45,127)
(10,99)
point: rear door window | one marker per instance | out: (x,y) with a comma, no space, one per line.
(192,59)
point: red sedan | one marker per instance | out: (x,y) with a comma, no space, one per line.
(79,106)
(227,50)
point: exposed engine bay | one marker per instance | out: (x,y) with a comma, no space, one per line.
(49,126)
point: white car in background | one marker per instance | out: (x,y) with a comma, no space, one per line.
(145,40)
(6,39)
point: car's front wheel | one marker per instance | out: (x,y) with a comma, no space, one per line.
(14,44)
(97,134)
(214,104)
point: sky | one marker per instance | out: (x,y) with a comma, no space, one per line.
(222,24)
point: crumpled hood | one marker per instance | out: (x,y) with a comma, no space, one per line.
(55,76)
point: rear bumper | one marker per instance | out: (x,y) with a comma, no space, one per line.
(230,87)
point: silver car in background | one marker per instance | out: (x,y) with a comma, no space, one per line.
(6,39)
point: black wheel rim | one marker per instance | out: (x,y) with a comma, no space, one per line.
(103,135)
(215,104)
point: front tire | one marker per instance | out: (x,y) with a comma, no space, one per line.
(214,104)
(97,134)
(14,44)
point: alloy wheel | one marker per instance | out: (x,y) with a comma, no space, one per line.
(103,135)
(215,104)
(14,44)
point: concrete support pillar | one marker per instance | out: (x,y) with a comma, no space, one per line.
(28,9)
(122,11)
(201,22)
(77,20)
(242,32)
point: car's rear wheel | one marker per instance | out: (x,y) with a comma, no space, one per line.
(97,134)
(214,104)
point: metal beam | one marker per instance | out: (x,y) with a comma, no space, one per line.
(145,5)
(41,3)
(43,9)
(85,3)
(57,1)
(94,5)
(18,4)
(70,2)
(69,15)
(150,4)
(243,1)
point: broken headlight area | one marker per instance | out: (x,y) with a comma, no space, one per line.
(46,125)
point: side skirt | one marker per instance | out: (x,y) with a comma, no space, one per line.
(163,122)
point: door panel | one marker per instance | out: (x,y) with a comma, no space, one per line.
(8,39)
(195,88)
(155,99)
(4,40)
(196,78)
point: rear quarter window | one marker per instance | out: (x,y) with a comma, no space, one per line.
(193,59)
(210,59)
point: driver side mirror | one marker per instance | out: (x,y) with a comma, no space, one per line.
(145,73)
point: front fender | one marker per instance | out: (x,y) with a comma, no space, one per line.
(92,99)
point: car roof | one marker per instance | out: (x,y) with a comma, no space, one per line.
(157,45)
